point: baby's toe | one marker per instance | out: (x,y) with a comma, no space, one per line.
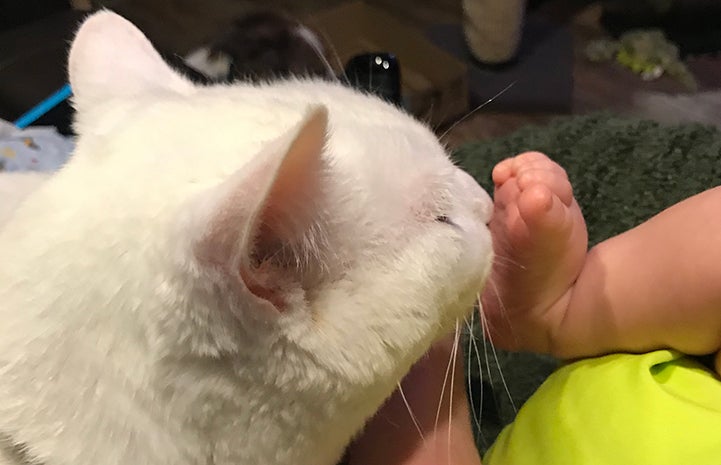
(525,159)
(502,172)
(554,180)
(512,166)
(536,161)
(541,209)
(506,194)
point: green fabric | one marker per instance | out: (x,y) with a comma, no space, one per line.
(651,409)
(623,170)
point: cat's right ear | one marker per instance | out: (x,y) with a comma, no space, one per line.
(275,203)
(110,57)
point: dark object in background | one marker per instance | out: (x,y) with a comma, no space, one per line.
(33,55)
(14,13)
(694,25)
(376,73)
(434,84)
(178,63)
(262,45)
(33,60)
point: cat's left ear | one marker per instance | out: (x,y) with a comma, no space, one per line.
(110,57)
(273,204)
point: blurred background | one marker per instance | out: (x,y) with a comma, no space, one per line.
(560,56)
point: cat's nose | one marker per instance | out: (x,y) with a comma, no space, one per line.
(481,202)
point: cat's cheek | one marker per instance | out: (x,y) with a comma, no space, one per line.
(477,258)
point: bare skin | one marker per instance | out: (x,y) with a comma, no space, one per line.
(654,286)
(391,437)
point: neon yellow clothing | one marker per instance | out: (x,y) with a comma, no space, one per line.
(650,409)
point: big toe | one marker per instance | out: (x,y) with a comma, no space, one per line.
(551,176)
(541,209)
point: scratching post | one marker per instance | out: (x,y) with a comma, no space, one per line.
(493,28)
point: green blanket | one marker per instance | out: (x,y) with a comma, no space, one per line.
(623,172)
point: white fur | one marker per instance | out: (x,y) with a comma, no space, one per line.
(14,188)
(130,334)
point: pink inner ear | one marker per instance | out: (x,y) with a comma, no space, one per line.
(269,206)
(262,290)
(291,205)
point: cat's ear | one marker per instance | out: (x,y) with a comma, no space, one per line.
(267,207)
(110,57)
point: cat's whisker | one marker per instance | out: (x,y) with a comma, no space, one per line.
(502,260)
(502,243)
(334,54)
(502,307)
(321,56)
(474,345)
(443,391)
(484,330)
(427,118)
(472,112)
(495,357)
(482,393)
(454,354)
(414,419)
(318,48)
(503,265)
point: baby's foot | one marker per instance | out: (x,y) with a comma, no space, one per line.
(540,240)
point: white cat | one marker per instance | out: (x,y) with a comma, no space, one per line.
(14,188)
(232,275)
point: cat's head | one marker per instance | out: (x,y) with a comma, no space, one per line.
(298,227)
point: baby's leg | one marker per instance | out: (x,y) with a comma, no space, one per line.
(540,240)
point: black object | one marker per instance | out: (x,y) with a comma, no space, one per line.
(378,73)
(268,45)
(178,63)
(18,13)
